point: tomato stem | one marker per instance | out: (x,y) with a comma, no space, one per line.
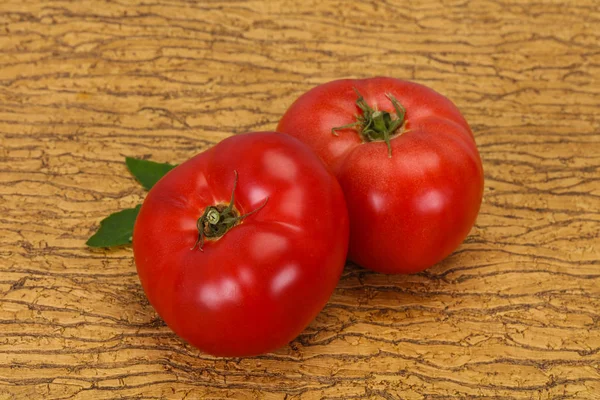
(217,220)
(375,125)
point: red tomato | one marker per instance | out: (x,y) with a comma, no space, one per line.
(412,198)
(239,287)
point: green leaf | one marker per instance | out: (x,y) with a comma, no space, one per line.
(147,172)
(116,229)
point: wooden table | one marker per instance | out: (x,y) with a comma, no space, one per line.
(513,314)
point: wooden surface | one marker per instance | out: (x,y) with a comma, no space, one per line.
(513,314)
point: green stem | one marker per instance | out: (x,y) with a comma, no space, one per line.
(217,220)
(375,125)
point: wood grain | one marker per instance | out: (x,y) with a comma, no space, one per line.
(513,314)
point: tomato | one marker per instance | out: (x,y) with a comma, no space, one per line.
(406,160)
(240,247)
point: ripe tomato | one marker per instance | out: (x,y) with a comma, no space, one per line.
(406,160)
(240,247)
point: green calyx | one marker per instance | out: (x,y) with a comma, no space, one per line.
(217,220)
(375,125)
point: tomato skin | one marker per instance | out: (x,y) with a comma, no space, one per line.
(412,210)
(257,287)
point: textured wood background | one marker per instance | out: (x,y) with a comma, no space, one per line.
(513,314)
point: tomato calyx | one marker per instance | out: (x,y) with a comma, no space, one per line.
(217,220)
(375,125)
